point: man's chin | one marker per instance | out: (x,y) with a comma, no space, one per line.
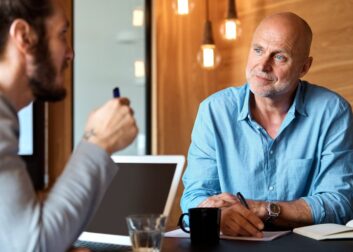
(263,92)
(45,92)
(50,95)
(57,97)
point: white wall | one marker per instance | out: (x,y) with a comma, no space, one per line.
(106,46)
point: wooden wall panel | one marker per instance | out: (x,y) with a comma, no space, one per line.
(60,120)
(181,84)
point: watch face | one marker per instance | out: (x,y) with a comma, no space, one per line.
(274,208)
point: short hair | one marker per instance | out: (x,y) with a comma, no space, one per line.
(32,11)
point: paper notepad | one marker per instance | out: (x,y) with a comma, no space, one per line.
(326,231)
(268,236)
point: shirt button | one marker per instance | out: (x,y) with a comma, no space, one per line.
(271,152)
(271,188)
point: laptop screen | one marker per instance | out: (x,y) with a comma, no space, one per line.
(137,188)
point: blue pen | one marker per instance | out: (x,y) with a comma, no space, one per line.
(116,92)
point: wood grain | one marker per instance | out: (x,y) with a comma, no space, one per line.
(60,120)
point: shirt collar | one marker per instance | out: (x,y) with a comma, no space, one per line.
(298,103)
(245,111)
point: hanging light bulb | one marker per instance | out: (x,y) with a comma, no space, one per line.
(208,55)
(182,7)
(231,28)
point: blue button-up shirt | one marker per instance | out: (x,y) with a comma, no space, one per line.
(310,158)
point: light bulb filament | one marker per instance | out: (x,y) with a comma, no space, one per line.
(183,7)
(230,29)
(208,56)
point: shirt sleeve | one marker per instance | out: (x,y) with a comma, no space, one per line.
(52,224)
(201,176)
(75,196)
(331,193)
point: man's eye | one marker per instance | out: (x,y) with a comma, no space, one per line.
(257,50)
(280,58)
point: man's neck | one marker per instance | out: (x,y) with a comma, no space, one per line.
(270,112)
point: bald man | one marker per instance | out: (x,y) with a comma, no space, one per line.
(282,142)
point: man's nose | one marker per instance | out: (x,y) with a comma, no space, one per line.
(70,54)
(266,64)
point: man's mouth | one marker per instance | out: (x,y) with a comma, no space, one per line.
(264,78)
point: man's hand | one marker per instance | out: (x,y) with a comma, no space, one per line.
(238,220)
(112,126)
(220,200)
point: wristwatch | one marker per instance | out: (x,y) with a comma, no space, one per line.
(273,211)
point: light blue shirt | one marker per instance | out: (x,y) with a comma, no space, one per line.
(310,158)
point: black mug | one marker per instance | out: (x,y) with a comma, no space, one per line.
(204,223)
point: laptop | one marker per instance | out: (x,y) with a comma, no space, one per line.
(142,185)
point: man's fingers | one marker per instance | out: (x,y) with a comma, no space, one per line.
(238,220)
(227,197)
(112,126)
(251,218)
(215,202)
(219,200)
(234,227)
(246,221)
(124,101)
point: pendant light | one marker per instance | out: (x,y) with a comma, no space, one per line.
(208,55)
(231,28)
(182,7)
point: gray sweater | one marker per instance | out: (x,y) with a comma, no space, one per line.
(28,224)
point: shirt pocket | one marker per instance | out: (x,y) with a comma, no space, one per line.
(296,177)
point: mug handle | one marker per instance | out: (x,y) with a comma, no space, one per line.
(181,223)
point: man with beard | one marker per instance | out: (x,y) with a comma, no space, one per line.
(33,55)
(284,143)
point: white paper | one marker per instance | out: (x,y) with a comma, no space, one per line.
(268,236)
(325,231)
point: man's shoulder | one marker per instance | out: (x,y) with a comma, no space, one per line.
(6,109)
(229,97)
(322,96)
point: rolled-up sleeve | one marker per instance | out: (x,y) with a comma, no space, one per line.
(332,191)
(201,177)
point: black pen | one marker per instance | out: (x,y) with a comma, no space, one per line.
(242,200)
(116,92)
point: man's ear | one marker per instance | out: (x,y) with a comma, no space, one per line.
(306,66)
(23,35)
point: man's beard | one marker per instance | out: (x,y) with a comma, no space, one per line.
(42,81)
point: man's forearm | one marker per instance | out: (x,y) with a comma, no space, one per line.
(293,213)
